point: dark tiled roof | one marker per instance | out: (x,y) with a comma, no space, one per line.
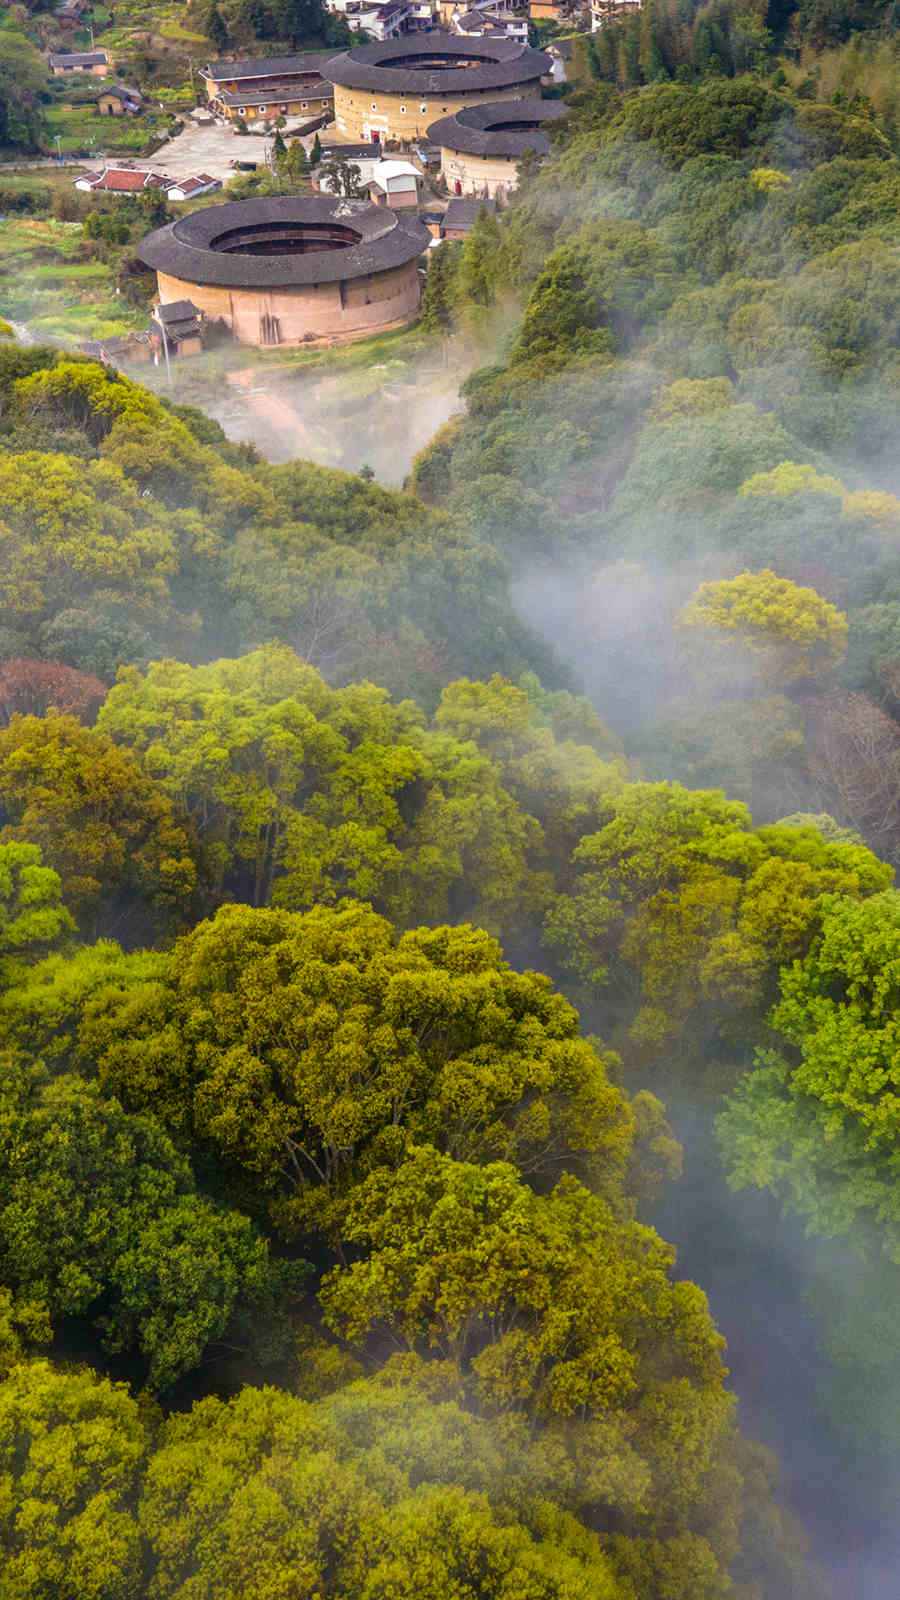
(502,63)
(177,311)
(190,328)
(276,90)
(476,22)
(117,346)
(474,131)
(463,213)
(350,152)
(265,67)
(79,58)
(120,91)
(187,248)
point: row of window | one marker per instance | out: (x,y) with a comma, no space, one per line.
(423,110)
(282,109)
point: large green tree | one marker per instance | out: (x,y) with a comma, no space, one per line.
(687,911)
(99,1218)
(305,1049)
(111,832)
(33,918)
(535,1296)
(23,75)
(817,1122)
(71,1450)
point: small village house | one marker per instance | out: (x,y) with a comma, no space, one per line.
(483,24)
(365,157)
(549,10)
(70,13)
(126,180)
(118,101)
(94,62)
(131,180)
(192,188)
(121,347)
(605,11)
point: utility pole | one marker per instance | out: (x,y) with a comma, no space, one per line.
(165,338)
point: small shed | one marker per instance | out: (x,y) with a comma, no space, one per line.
(122,347)
(394,184)
(117,100)
(461,216)
(181,327)
(192,188)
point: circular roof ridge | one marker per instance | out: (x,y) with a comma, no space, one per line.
(472,130)
(371,66)
(186,249)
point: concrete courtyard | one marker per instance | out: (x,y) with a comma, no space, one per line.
(212,148)
(207,148)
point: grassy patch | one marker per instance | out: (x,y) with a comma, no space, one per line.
(44,283)
(37,238)
(399,346)
(78,272)
(82,129)
(172,28)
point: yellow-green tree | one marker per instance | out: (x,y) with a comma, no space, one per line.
(792,631)
(789,478)
(72,1446)
(103,823)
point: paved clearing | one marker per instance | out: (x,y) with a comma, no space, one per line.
(207,149)
(212,149)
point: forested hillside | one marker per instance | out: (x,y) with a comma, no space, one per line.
(405,896)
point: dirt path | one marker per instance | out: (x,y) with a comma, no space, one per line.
(269,420)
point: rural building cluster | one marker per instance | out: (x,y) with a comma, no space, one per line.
(423,129)
(348,261)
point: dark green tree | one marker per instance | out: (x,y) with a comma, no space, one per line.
(437,299)
(215,28)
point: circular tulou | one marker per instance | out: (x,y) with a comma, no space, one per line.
(292,270)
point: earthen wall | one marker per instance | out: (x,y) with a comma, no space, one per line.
(315,313)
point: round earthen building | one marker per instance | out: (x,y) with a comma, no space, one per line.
(481,146)
(395,90)
(292,270)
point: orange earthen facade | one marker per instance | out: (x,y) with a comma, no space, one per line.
(364,114)
(100,69)
(489,177)
(325,313)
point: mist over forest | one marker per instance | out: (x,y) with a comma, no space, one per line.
(449,934)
